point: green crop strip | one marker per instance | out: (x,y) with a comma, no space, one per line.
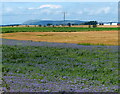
(53,29)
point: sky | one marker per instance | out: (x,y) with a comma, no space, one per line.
(59,0)
(19,12)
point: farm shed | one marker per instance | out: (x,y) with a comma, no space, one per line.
(114,23)
(108,23)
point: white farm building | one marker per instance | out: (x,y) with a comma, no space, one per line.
(107,23)
(114,23)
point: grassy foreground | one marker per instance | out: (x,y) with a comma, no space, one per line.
(53,29)
(99,65)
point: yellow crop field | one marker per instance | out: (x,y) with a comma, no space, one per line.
(92,37)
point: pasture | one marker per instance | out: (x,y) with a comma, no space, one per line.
(90,64)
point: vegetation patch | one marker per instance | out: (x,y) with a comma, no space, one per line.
(98,65)
(54,29)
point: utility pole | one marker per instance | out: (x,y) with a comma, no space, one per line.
(64,17)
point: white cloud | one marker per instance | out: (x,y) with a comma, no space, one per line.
(106,10)
(20,7)
(50,6)
(45,6)
(47,11)
(8,10)
(80,12)
(103,10)
(59,0)
(97,11)
(31,8)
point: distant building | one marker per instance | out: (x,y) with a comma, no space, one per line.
(107,23)
(114,23)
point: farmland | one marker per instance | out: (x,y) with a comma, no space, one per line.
(92,37)
(49,59)
(101,36)
(54,29)
(83,69)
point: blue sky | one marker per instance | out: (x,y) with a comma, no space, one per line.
(19,12)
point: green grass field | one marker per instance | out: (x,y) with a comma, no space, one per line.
(53,29)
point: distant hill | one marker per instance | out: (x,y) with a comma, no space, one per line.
(10,25)
(51,22)
(45,22)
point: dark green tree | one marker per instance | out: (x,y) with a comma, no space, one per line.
(93,23)
(49,24)
(39,25)
(69,24)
